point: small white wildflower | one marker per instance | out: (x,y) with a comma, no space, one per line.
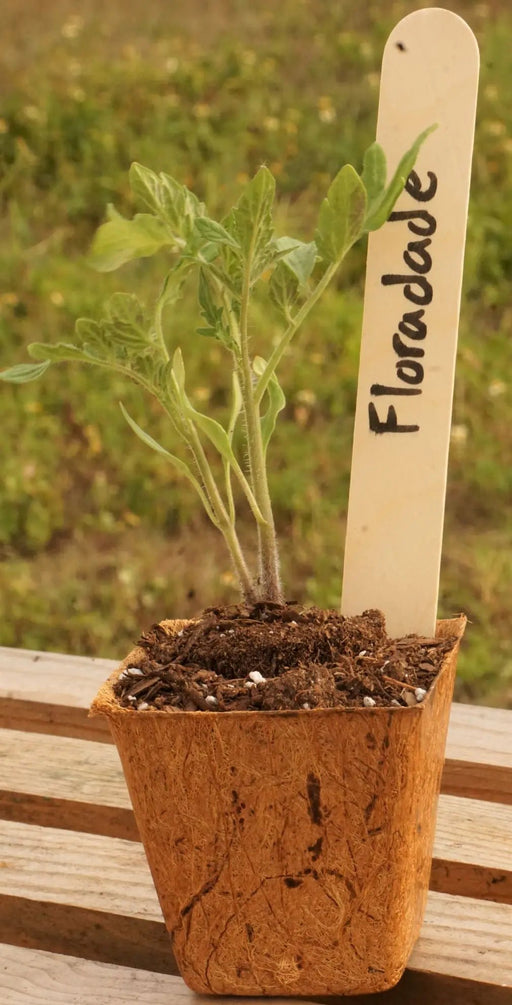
(496,388)
(327,115)
(72,27)
(271,124)
(306,396)
(32,112)
(249,683)
(459,434)
(306,704)
(369,702)
(420,693)
(257,677)
(131,697)
(142,707)
(211,700)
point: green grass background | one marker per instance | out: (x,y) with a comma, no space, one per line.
(98,538)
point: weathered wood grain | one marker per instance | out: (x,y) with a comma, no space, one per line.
(81,894)
(56,781)
(52,692)
(33,977)
(473,849)
(479,753)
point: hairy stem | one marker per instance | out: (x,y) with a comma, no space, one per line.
(270,582)
(223,521)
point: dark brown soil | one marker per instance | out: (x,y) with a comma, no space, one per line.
(270,656)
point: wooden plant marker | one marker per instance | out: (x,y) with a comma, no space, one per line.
(409,339)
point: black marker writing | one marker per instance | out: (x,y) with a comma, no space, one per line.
(416,289)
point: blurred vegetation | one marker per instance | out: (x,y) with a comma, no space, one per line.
(97,538)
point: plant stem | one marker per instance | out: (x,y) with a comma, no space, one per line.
(270,583)
(295,323)
(224,523)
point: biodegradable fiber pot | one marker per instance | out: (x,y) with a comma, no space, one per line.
(290,851)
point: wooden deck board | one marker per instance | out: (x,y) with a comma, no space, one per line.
(34,977)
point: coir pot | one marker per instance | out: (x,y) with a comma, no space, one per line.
(290,851)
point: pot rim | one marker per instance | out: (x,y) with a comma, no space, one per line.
(106,704)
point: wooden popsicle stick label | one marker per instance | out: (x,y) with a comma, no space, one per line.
(410,325)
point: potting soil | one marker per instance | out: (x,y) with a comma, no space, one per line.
(276,657)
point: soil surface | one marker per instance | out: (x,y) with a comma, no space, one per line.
(272,656)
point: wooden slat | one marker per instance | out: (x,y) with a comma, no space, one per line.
(29,976)
(80,894)
(473,849)
(79,785)
(34,977)
(99,903)
(51,693)
(56,781)
(479,753)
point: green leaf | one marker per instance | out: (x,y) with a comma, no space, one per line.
(126,309)
(121,340)
(212,314)
(62,352)
(300,258)
(120,240)
(145,437)
(276,399)
(291,274)
(213,430)
(178,372)
(341,215)
(283,289)
(24,372)
(210,427)
(212,231)
(180,465)
(175,205)
(209,309)
(379,212)
(250,222)
(373,175)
